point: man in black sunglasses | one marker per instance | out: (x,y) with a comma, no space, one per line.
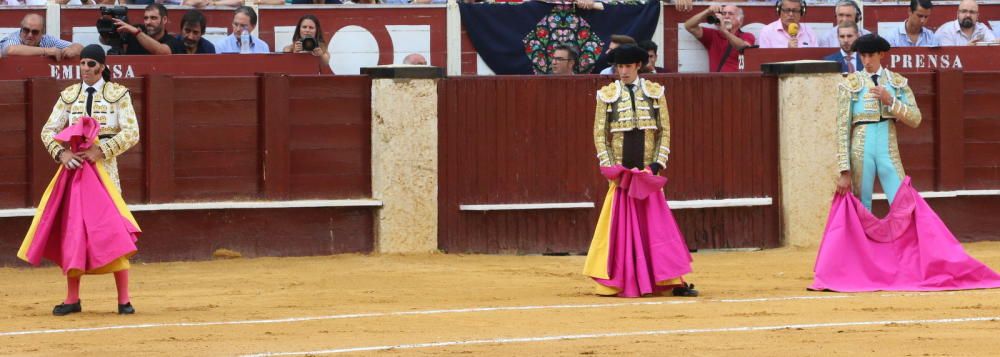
(110,105)
(32,41)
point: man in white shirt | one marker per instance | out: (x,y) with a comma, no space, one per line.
(966,30)
(912,33)
(847,10)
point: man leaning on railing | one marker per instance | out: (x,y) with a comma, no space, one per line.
(31,40)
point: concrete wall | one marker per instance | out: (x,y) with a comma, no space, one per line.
(807,133)
(405,164)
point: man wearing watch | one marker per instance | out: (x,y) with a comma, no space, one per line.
(152,39)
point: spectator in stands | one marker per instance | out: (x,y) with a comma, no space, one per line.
(848,59)
(152,38)
(415,59)
(966,30)
(190,40)
(564,59)
(846,10)
(912,32)
(680,5)
(617,40)
(651,48)
(723,44)
(309,27)
(200,4)
(32,41)
(244,22)
(24,2)
(296,2)
(776,34)
(414,1)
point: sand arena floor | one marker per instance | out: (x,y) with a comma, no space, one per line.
(752,303)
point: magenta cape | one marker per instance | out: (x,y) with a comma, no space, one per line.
(81,223)
(908,250)
(645,250)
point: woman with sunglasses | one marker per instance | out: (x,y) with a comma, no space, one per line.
(82,224)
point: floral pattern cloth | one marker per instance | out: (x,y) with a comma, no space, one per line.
(562,26)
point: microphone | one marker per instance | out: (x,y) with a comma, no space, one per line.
(793,29)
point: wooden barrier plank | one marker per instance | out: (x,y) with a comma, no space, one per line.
(159,143)
(42,94)
(949,131)
(274,136)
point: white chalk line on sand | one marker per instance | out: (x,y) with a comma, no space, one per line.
(451,311)
(497,341)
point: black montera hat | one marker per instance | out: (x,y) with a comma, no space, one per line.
(626,54)
(870,43)
(96,52)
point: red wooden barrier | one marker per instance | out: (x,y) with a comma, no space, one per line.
(15,68)
(267,137)
(903,59)
(529,140)
(211,138)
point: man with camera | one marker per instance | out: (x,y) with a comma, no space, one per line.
(32,41)
(724,44)
(242,39)
(190,41)
(151,39)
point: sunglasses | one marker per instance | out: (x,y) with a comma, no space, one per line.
(88,64)
(25,30)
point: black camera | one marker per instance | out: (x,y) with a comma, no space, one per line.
(711,19)
(308,44)
(108,30)
(105,24)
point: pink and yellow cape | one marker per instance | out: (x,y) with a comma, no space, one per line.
(637,248)
(82,224)
(910,249)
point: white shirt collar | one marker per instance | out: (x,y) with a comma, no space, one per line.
(881,71)
(636,81)
(845,54)
(97,86)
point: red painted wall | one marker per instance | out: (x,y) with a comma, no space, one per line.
(530,140)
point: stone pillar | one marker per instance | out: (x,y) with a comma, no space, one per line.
(405,157)
(807,117)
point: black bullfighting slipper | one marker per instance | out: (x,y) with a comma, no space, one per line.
(126,309)
(66,309)
(686,291)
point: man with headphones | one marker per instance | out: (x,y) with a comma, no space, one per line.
(787,31)
(847,10)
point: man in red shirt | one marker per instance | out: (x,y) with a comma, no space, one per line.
(723,44)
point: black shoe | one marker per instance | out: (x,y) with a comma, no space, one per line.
(66,309)
(126,309)
(686,291)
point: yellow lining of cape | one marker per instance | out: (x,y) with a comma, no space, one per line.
(597,257)
(119,264)
(30,236)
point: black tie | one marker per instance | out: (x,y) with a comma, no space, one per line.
(90,100)
(631,90)
(633,141)
(875,79)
